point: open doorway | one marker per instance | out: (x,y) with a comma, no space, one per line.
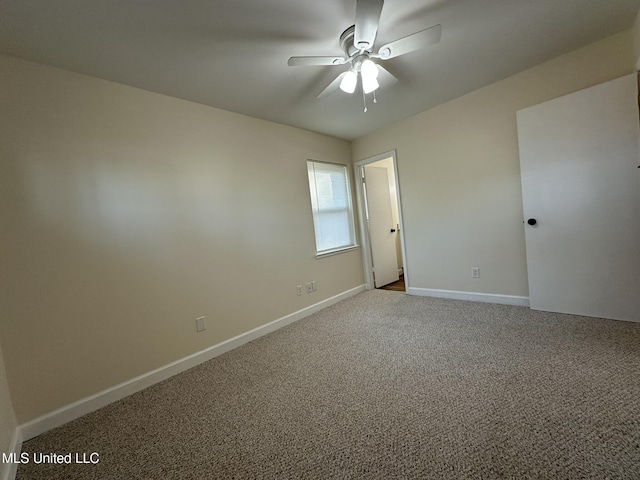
(380,215)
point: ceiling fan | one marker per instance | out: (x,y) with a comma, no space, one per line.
(357,43)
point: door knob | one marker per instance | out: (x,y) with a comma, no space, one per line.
(532,221)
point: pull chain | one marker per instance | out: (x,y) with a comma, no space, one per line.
(364,100)
(374,97)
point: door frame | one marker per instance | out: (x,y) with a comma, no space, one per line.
(362,221)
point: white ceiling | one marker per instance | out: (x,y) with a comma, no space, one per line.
(232,54)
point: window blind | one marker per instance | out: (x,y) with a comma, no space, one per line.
(331,205)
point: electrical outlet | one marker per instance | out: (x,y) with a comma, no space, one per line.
(201,324)
(299,289)
(475,272)
(309,287)
(314,286)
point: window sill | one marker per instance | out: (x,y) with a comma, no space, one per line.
(337,251)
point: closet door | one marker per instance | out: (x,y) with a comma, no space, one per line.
(579,163)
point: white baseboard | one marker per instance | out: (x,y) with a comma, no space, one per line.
(9,470)
(89,404)
(470,296)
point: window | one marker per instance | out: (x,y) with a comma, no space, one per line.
(332,209)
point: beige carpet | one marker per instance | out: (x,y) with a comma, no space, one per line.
(383,386)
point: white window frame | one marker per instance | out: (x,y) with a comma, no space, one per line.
(315,209)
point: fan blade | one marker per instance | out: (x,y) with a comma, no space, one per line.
(385,79)
(313,61)
(418,40)
(367,20)
(333,86)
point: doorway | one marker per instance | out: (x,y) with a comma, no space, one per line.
(380,218)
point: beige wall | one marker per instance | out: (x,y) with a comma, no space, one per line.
(636,41)
(7,418)
(127,214)
(459,172)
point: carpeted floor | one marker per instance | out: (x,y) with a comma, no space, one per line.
(383,386)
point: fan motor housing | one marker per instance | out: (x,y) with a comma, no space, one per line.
(346,42)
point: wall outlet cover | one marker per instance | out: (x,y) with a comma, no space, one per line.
(201,324)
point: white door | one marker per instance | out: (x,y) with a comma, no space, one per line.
(382,232)
(581,184)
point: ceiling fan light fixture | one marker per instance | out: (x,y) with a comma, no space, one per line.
(349,81)
(369,69)
(369,84)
